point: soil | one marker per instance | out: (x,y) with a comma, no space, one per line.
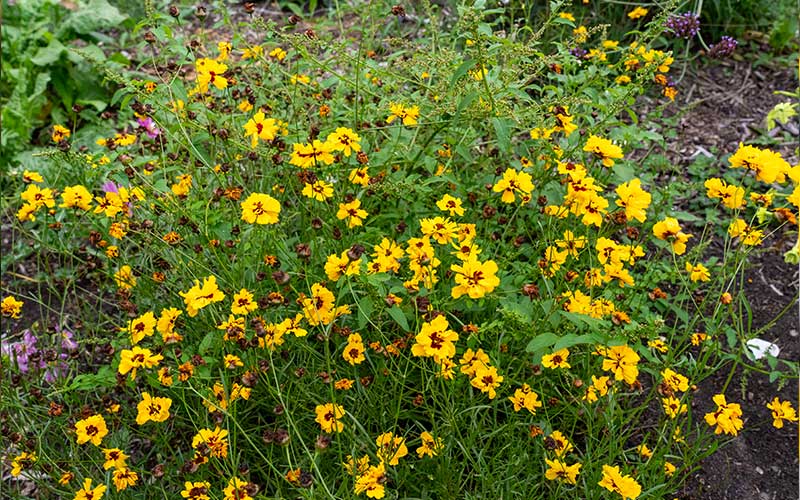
(727,104)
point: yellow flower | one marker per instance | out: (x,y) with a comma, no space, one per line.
(512,183)
(669,469)
(131,359)
(214,440)
(408,115)
(435,340)
(344,140)
(301,79)
(92,429)
(260,127)
(21,461)
(391,448)
(166,325)
(359,176)
(559,444)
(319,190)
(782,410)
(199,297)
(209,72)
(260,208)
(353,212)
(150,408)
(337,266)
(637,13)
(625,486)
(633,199)
(89,493)
(604,149)
(243,303)
(486,379)
(114,458)
(11,307)
(524,397)
(673,407)
(236,490)
(59,133)
(310,154)
(224,49)
(556,360)
(451,205)
(622,361)
(430,446)
(644,451)
(698,272)
(329,417)
(76,197)
(124,477)
(278,54)
(197,490)
(253,52)
(29,176)
(372,481)
(561,471)
(38,197)
(567,16)
(141,327)
(726,418)
(354,350)
(598,388)
(474,278)
(670,230)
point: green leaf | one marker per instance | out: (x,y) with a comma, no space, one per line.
(571,339)
(397,315)
(105,377)
(541,342)
(365,309)
(207,343)
(50,54)
(501,128)
(781,113)
(462,70)
(93,16)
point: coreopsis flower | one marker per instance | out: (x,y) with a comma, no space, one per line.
(91,430)
(625,486)
(698,272)
(372,481)
(391,448)
(644,451)
(387,254)
(604,149)
(359,176)
(319,190)
(21,461)
(329,417)
(123,478)
(345,140)
(571,244)
(567,16)
(670,230)
(141,327)
(524,397)
(556,360)
(673,406)
(563,122)
(209,72)
(260,208)
(236,490)
(354,350)
(429,446)
(76,196)
(513,182)
(598,389)
(11,307)
(337,266)
(440,229)
(197,490)
(558,470)
(435,340)
(732,196)
(38,197)
(769,166)
(747,234)
(114,459)
(451,205)
(471,360)
(486,379)
(726,418)
(232,361)
(261,127)
(669,469)
(633,199)
(166,325)
(215,440)
(131,359)
(65,478)
(311,154)
(781,410)
(638,12)
(474,278)
(89,493)
(353,212)
(659,345)
(622,361)
(243,303)
(199,296)
(150,408)
(558,444)
(408,115)
(278,54)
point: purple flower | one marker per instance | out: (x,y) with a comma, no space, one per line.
(724,48)
(55,370)
(685,25)
(67,341)
(578,52)
(22,351)
(110,187)
(150,127)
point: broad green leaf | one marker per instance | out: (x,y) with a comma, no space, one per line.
(542,341)
(397,315)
